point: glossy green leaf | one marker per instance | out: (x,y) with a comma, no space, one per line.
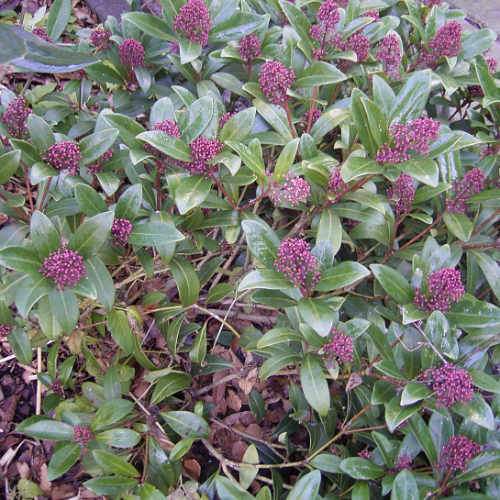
(306,487)
(393,283)
(59,14)
(21,345)
(9,163)
(186,279)
(314,384)
(120,330)
(155,234)
(92,234)
(360,468)
(110,485)
(191,192)
(64,307)
(342,275)
(89,201)
(186,424)
(405,487)
(113,464)
(45,428)
(62,460)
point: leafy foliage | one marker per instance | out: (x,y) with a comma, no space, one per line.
(316,237)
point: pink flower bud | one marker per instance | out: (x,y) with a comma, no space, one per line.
(249,48)
(457,453)
(402,192)
(340,347)
(450,384)
(298,264)
(193,22)
(275,79)
(15,117)
(99,37)
(65,267)
(131,53)
(64,156)
(444,288)
(121,230)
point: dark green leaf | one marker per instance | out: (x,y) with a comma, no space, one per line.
(239,126)
(92,234)
(64,307)
(90,202)
(99,277)
(62,460)
(113,464)
(405,487)
(9,163)
(110,485)
(168,385)
(186,279)
(395,414)
(21,345)
(120,331)
(168,145)
(154,234)
(44,428)
(319,73)
(413,392)
(412,98)
(59,14)
(186,424)
(342,275)
(306,487)
(95,145)
(393,283)
(314,384)
(191,192)
(129,203)
(44,234)
(360,468)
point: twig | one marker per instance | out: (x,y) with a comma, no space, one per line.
(422,233)
(38,383)
(218,318)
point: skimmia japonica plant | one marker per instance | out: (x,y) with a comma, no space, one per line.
(250,248)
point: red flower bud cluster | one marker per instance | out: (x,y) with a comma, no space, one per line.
(121,230)
(42,34)
(450,384)
(64,156)
(340,347)
(402,192)
(99,37)
(82,435)
(5,329)
(275,79)
(249,48)
(447,42)
(298,264)
(193,22)
(225,118)
(389,54)
(293,191)
(457,453)
(15,117)
(336,184)
(473,182)
(412,137)
(203,150)
(131,53)
(65,267)
(444,288)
